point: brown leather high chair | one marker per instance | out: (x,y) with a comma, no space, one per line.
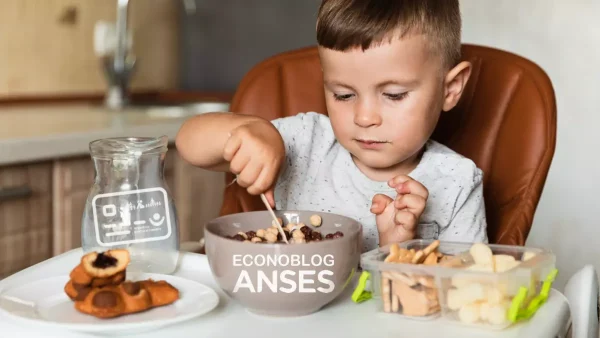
(505,122)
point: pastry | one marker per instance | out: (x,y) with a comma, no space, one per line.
(76,291)
(98,287)
(105,264)
(135,297)
(101,269)
(161,292)
(104,302)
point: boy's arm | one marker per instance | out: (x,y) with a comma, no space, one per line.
(468,223)
(201,139)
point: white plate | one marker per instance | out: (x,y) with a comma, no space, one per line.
(44,303)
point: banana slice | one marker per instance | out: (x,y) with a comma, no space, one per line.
(473,293)
(504,262)
(482,254)
(497,314)
(484,311)
(494,296)
(454,299)
(469,313)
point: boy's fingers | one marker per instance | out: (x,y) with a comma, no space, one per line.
(250,174)
(238,163)
(379,203)
(399,180)
(263,182)
(231,147)
(412,187)
(407,219)
(413,203)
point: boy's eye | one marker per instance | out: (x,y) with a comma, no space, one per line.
(342,97)
(396,96)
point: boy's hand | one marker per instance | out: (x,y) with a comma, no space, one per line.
(397,220)
(255,152)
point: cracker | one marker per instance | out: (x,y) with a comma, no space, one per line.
(431,259)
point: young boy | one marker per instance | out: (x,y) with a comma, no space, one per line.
(389,68)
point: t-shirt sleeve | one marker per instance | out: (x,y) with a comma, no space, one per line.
(468,222)
(301,133)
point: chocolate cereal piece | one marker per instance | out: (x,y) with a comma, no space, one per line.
(316,236)
(239,237)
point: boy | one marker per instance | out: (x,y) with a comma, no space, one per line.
(390,68)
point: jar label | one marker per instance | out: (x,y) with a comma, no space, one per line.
(134,216)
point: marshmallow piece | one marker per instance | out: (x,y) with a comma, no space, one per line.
(497,314)
(482,254)
(454,299)
(473,293)
(484,311)
(469,313)
(504,262)
(494,296)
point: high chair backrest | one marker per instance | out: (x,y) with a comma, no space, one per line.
(505,122)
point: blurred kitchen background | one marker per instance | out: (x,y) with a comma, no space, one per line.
(191,51)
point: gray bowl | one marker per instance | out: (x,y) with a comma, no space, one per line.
(283,280)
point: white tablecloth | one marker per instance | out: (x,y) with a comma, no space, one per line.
(342,317)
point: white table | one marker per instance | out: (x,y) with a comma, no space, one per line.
(342,317)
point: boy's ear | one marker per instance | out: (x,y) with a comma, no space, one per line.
(455,83)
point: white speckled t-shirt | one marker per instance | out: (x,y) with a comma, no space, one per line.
(320,175)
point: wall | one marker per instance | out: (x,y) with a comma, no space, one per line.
(563,38)
(44,50)
(225,38)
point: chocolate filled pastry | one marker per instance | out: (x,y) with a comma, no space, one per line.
(135,297)
(98,287)
(79,276)
(161,292)
(105,264)
(76,291)
(104,302)
(101,269)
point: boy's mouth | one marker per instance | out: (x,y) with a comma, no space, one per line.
(370,144)
(370,141)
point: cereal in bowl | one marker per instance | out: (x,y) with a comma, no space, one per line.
(294,232)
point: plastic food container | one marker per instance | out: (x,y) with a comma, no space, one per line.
(490,286)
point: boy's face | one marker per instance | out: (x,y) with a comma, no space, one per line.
(384,103)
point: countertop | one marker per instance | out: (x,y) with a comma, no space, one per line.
(37,132)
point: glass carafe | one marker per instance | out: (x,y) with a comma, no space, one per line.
(130,205)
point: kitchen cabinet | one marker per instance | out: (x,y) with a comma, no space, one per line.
(72,180)
(198,195)
(25,216)
(41,206)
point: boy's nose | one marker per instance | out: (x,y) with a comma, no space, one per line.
(366,116)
